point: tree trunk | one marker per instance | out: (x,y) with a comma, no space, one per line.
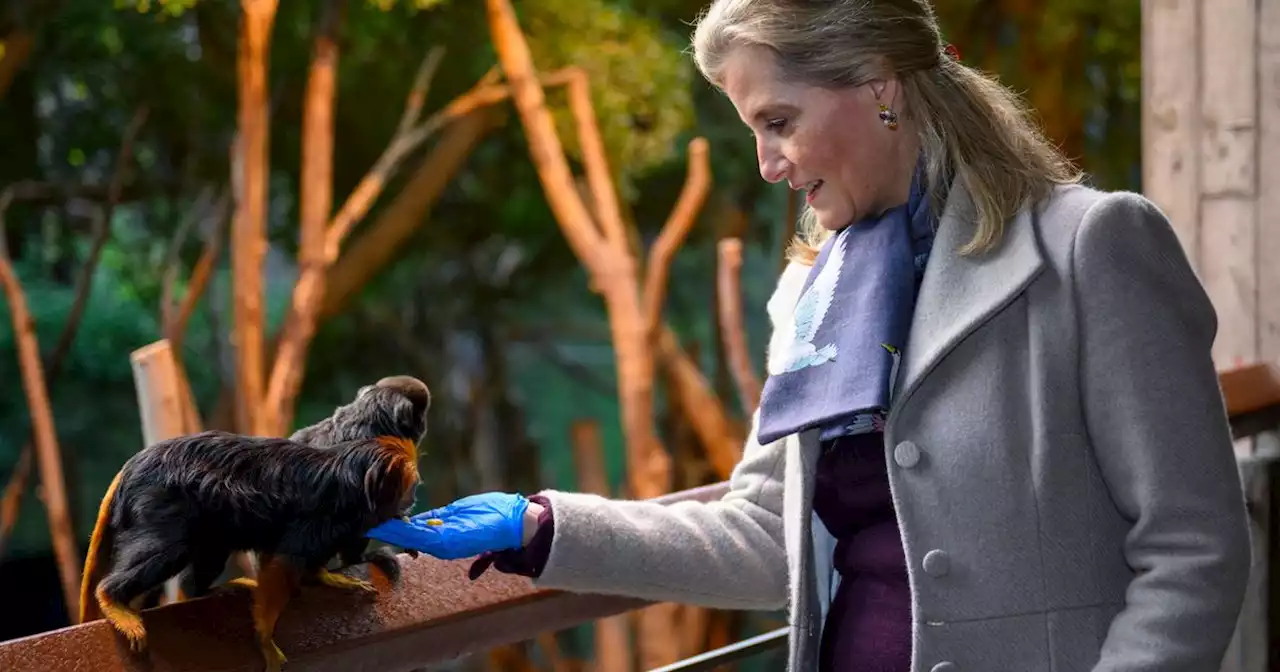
(290,360)
(613,269)
(733,333)
(250,177)
(48,459)
(721,437)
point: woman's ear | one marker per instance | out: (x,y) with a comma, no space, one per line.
(878,87)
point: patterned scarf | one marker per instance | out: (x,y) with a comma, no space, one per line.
(850,325)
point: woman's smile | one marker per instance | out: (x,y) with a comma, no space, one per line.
(811,191)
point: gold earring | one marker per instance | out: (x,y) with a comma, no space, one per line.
(889,117)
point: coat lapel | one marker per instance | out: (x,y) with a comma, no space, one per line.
(958,294)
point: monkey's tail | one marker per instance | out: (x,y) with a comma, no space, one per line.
(89,609)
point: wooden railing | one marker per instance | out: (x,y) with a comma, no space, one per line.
(437,614)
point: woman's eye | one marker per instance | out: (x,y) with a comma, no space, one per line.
(776,124)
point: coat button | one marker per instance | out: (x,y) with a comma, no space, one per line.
(936,563)
(944,666)
(906,454)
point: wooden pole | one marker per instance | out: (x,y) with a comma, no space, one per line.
(48,457)
(160,398)
(162,404)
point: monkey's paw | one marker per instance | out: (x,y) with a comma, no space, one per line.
(244,582)
(273,656)
(129,624)
(135,634)
(383,560)
(336,580)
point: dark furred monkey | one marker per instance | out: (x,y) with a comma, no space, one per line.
(393,406)
(367,417)
(194,500)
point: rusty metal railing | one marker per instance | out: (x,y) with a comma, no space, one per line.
(437,614)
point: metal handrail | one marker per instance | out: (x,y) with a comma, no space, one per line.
(769,641)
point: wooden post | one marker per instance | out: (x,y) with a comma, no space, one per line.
(1210,99)
(160,398)
(1268,175)
(162,404)
(1228,178)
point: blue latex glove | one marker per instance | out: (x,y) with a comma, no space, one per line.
(489,521)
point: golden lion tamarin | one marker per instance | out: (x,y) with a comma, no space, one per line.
(194,500)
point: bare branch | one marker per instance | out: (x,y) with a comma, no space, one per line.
(48,456)
(594,158)
(47,194)
(733,333)
(418,92)
(721,438)
(14,491)
(544,143)
(401,145)
(172,261)
(681,220)
(101,232)
(176,330)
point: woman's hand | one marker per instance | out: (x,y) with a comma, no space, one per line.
(490,521)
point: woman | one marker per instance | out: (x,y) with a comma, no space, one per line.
(1000,448)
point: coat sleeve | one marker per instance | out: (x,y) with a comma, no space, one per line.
(726,554)
(1158,425)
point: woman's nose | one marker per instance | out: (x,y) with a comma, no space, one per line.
(773,168)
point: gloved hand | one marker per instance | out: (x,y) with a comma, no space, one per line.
(489,521)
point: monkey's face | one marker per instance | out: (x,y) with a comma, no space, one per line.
(394,406)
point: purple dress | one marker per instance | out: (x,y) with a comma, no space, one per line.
(868,627)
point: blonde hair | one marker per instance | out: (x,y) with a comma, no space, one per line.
(971,127)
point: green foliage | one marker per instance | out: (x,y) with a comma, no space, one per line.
(640,80)
(386,5)
(168,7)
(94,400)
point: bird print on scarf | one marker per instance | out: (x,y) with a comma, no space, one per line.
(808,315)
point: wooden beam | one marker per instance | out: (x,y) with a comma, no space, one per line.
(1170,114)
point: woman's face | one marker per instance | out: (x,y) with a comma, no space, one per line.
(830,143)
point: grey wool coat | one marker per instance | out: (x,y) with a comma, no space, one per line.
(1058,452)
